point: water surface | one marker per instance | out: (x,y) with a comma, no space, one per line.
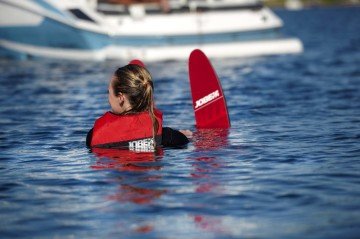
(288,167)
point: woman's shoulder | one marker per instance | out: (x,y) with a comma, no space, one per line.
(172,137)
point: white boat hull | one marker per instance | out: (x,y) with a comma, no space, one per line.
(25,51)
(149,54)
(219,50)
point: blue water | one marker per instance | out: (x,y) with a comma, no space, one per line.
(289,167)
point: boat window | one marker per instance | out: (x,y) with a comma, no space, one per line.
(80,14)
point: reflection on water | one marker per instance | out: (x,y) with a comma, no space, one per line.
(122,159)
(132,161)
(203,169)
(129,193)
(210,139)
(127,160)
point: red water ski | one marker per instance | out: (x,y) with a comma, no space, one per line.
(208,98)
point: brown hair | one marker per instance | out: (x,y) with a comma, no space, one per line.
(136,83)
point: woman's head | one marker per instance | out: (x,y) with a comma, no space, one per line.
(131,90)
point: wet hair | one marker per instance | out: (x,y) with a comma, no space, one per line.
(136,83)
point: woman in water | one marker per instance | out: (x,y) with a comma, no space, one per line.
(133,122)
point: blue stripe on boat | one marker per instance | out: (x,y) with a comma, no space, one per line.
(51,33)
(197,39)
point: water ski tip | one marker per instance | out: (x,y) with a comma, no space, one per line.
(136,62)
(196,53)
(209,102)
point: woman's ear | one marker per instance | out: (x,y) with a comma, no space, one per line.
(120,99)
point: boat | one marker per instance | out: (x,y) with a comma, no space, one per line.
(147,29)
(52,29)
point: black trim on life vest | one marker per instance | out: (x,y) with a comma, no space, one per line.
(170,138)
(125,144)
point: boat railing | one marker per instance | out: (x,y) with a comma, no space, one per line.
(137,8)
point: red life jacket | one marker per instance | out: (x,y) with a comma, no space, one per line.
(134,131)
